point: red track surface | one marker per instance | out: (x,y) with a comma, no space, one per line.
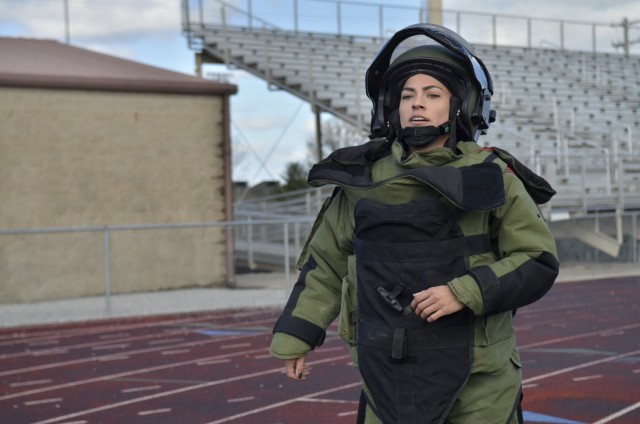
(580,347)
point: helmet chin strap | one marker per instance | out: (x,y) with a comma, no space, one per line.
(423,136)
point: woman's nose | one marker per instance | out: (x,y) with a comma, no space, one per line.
(417,103)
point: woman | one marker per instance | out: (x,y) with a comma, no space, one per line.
(426,248)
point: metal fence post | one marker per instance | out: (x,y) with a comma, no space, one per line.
(634,237)
(107,270)
(250,261)
(339,16)
(287,273)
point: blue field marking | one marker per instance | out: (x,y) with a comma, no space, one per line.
(532,417)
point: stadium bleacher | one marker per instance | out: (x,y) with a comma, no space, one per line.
(570,115)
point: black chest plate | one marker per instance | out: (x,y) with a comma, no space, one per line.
(413,369)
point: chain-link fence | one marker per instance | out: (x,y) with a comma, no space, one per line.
(598,241)
(43,264)
(591,241)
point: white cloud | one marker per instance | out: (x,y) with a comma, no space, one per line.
(258,121)
(94,19)
(150,31)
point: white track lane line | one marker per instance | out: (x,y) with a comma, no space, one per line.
(95,344)
(197,343)
(179,331)
(221,358)
(242,399)
(174,352)
(89,330)
(618,414)
(346,414)
(188,389)
(141,389)
(286,402)
(587,377)
(30,383)
(580,366)
(43,401)
(15,339)
(114,336)
(155,411)
(125,374)
(577,336)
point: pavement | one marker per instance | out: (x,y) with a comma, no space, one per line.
(258,290)
(252,290)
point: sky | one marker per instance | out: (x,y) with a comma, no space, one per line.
(272,128)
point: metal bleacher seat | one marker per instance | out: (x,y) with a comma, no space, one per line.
(558,110)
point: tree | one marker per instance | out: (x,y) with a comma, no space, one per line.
(295,177)
(335,134)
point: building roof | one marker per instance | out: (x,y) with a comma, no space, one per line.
(50,64)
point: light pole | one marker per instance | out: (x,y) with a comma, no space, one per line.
(67,36)
(434,14)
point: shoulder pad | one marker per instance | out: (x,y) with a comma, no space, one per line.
(537,187)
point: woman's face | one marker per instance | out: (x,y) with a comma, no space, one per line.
(424,101)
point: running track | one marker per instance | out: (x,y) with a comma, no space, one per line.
(580,347)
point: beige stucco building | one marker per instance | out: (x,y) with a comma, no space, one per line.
(93,147)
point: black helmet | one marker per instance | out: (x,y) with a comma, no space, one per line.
(441,53)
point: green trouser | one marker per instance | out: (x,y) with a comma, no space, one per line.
(486,398)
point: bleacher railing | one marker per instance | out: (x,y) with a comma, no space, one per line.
(351,18)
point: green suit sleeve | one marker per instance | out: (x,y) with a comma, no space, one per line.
(315,299)
(527,266)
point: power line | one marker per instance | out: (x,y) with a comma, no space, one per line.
(625,43)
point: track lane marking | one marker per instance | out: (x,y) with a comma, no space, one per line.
(92,345)
(580,366)
(110,328)
(242,399)
(139,338)
(30,383)
(92,330)
(220,358)
(42,401)
(114,336)
(283,403)
(346,414)
(587,377)
(618,414)
(191,388)
(213,362)
(154,411)
(174,352)
(165,341)
(123,374)
(140,389)
(113,324)
(578,336)
(197,343)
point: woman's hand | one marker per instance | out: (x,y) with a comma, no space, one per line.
(296,369)
(435,302)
